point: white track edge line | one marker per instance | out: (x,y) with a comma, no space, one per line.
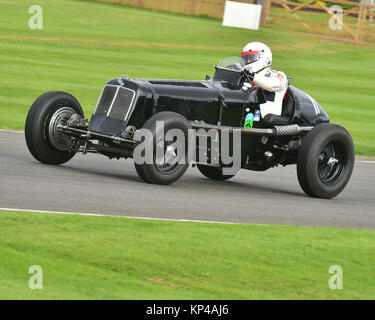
(115,216)
(14,131)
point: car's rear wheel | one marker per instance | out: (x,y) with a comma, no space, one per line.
(45,143)
(169,159)
(215,173)
(325,161)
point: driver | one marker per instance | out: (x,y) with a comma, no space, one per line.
(258,60)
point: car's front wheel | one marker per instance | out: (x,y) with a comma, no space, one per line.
(325,161)
(169,157)
(44,141)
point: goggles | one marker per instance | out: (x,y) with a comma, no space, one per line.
(250,56)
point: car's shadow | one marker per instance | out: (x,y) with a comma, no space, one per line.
(108,174)
(238,186)
(188,182)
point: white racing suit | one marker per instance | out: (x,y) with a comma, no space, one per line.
(275,84)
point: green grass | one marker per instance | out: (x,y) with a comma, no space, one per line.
(83,44)
(85,257)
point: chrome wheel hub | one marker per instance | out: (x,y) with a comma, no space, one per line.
(168,159)
(57,139)
(332,162)
(170,154)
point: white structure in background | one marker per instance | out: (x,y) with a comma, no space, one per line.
(242,15)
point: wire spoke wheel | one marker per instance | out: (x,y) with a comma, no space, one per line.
(58,140)
(43,139)
(169,156)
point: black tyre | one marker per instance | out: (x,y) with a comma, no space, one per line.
(325,161)
(166,166)
(44,142)
(215,173)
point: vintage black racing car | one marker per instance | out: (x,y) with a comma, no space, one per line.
(56,129)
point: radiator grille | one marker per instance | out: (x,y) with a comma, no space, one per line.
(105,100)
(115,102)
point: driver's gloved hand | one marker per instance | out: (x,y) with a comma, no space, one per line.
(239,66)
(249,74)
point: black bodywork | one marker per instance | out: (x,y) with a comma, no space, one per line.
(221,102)
(195,100)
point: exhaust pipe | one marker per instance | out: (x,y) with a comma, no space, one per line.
(288,130)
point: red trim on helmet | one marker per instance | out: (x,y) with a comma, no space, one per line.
(249,52)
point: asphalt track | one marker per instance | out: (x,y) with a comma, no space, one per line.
(95,184)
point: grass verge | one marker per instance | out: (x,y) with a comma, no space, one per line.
(85,257)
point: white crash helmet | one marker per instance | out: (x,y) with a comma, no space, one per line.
(257,56)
